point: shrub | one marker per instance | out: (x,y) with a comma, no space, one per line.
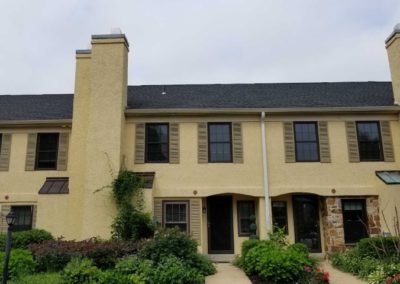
(173,242)
(380,247)
(80,270)
(131,224)
(21,263)
(113,277)
(40,278)
(274,263)
(54,255)
(24,238)
(174,270)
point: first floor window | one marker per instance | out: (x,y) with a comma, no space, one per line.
(23,220)
(176,215)
(246,211)
(157,142)
(279,215)
(355,222)
(47,151)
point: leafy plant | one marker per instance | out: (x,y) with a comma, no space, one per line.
(55,254)
(131,222)
(80,270)
(21,263)
(24,238)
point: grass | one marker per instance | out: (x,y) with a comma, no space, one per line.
(40,278)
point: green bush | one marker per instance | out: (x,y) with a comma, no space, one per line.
(131,224)
(21,263)
(275,263)
(380,248)
(79,271)
(24,238)
(173,242)
(40,278)
(174,270)
(113,277)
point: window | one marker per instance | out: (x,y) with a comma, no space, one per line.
(279,215)
(23,221)
(369,141)
(306,141)
(157,143)
(219,143)
(47,151)
(1,139)
(246,210)
(176,215)
(355,222)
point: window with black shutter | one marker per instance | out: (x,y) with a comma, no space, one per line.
(46,151)
(306,141)
(219,142)
(369,141)
(157,143)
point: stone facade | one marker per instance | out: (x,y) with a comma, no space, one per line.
(332,221)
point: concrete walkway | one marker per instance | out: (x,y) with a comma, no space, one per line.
(338,277)
(227,274)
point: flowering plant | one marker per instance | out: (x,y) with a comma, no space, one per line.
(317,275)
(393,279)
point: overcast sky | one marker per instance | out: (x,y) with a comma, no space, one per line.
(198,41)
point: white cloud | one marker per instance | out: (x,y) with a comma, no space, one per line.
(208,41)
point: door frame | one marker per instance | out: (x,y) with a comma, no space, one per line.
(296,217)
(229,223)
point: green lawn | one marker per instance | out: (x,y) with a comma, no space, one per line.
(40,278)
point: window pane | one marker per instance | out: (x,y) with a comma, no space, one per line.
(23,219)
(369,143)
(279,215)
(306,140)
(176,215)
(219,132)
(47,151)
(157,143)
(307,151)
(220,152)
(220,144)
(246,209)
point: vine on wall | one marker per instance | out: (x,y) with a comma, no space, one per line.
(131,222)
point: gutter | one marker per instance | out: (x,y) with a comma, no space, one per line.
(22,123)
(303,110)
(268,221)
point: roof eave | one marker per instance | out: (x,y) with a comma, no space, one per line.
(36,123)
(306,110)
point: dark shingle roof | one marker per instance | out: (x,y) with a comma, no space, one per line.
(36,107)
(276,95)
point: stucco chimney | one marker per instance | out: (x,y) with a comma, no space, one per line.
(393,50)
(98,124)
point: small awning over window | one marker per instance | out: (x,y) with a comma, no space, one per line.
(55,185)
(148,178)
(389,177)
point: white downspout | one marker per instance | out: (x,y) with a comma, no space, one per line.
(265,175)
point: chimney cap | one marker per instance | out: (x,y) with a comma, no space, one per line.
(396,29)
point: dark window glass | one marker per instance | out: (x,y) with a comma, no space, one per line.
(246,209)
(369,141)
(157,143)
(176,215)
(279,215)
(1,140)
(23,221)
(355,222)
(219,142)
(306,140)
(46,151)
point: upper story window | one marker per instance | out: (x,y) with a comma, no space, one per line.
(220,142)
(46,151)
(306,141)
(157,143)
(369,141)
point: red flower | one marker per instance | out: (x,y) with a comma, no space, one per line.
(318,269)
(397,277)
(326,276)
(389,279)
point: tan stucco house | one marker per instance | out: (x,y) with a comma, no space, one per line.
(321,160)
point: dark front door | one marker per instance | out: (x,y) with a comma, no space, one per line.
(306,221)
(220,233)
(354,220)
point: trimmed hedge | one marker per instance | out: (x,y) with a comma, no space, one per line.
(54,255)
(380,247)
(24,238)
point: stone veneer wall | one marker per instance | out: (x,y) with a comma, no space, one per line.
(332,221)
